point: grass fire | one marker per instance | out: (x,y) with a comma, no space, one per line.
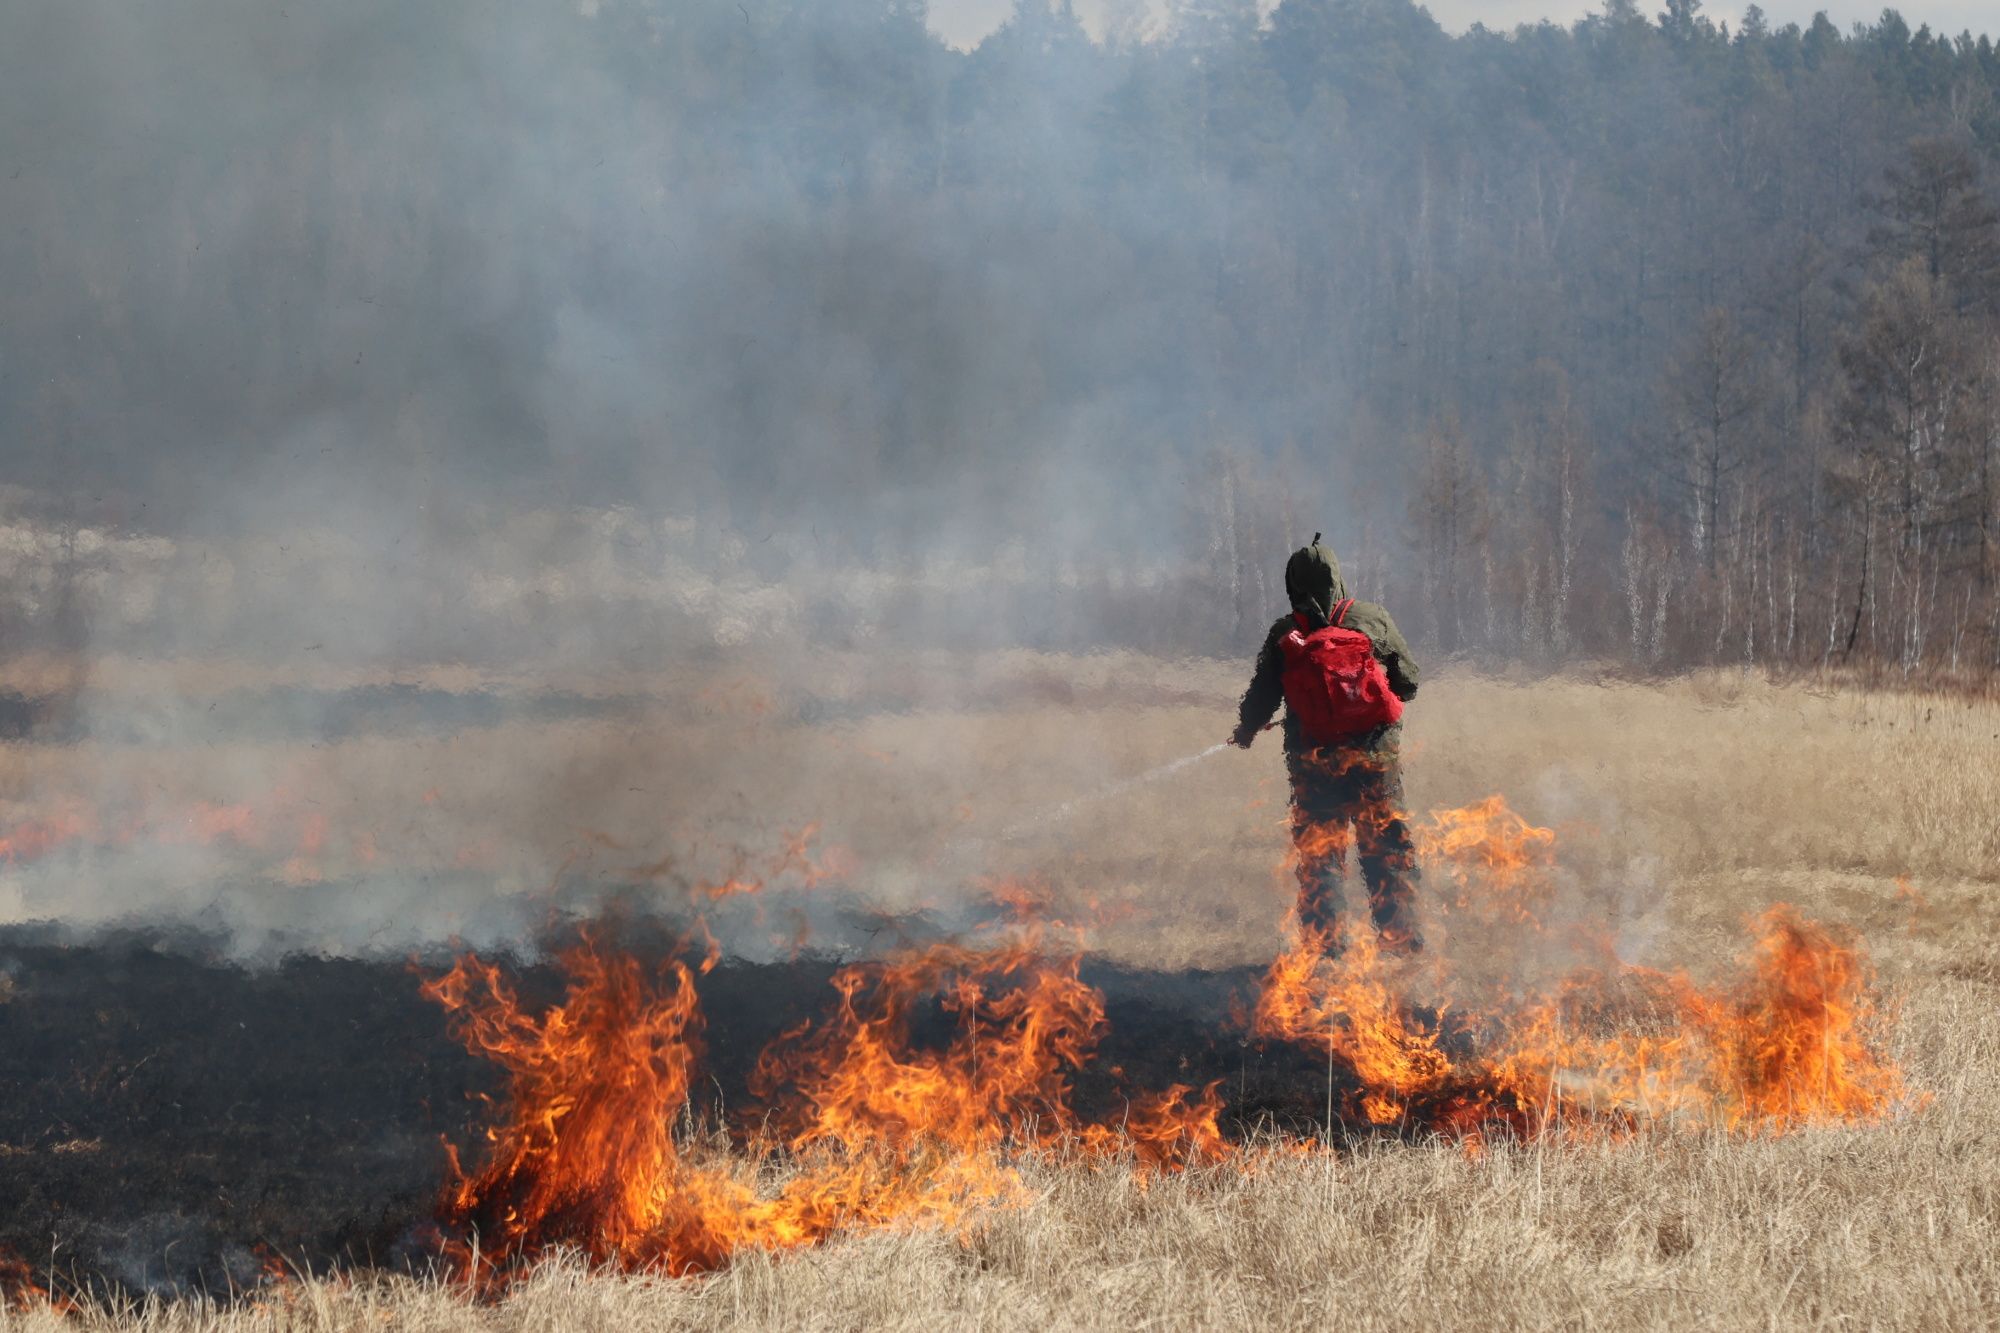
(730,1067)
(999,664)
(861,1125)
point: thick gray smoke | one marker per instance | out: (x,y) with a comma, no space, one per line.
(506,381)
(532,359)
(795,268)
(382,328)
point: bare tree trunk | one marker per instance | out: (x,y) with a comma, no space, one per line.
(1634,599)
(1657,643)
(1232,548)
(1864,588)
(1565,553)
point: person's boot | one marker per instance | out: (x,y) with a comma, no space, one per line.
(1318,917)
(1401,941)
(1396,929)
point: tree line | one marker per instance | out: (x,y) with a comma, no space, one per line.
(1641,338)
(1690,359)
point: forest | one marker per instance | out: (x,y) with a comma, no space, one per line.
(1642,340)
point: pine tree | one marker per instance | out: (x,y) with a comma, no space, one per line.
(1935,210)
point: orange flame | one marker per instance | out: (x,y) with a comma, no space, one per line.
(586,1154)
(70,821)
(1166,1129)
(1785,1044)
(867,1125)
(22,1293)
(878,1131)
(1024,1019)
(1498,863)
(1343,1003)
(274,825)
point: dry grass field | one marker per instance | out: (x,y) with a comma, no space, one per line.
(1680,810)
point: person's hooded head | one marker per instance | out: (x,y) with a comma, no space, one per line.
(1313,582)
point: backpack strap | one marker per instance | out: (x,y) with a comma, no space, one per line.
(1340,612)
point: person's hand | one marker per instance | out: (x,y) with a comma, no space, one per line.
(1242,736)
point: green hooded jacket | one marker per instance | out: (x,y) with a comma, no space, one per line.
(1313,581)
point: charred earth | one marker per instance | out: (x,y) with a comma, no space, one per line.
(171,1120)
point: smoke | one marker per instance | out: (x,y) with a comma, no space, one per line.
(801,270)
(448,448)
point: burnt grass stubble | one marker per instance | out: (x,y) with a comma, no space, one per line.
(171,1121)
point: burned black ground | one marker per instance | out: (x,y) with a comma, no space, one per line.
(170,1120)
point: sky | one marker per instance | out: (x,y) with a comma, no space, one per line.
(964,22)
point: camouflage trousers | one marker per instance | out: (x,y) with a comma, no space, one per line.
(1343,796)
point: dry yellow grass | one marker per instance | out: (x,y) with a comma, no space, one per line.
(1699,800)
(1887,1227)
(1682,807)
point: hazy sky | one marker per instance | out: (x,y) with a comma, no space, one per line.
(964,22)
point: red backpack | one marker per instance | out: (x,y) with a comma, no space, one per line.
(1334,684)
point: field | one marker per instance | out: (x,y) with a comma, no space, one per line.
(363,815)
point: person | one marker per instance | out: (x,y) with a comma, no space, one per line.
(1343,734)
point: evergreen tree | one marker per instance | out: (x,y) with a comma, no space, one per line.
(1935,210)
